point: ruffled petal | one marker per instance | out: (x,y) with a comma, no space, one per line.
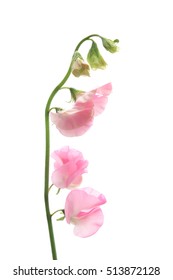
(82,200)
(74,122)
(69,166)
(79,169)
(105,90)
(88,224)
(60,177)
(98,96)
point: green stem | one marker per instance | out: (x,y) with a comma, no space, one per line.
(47,153)
(85,39)
(56,109)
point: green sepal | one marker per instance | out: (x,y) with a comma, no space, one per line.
(74,92)
(60,219)
(76,55)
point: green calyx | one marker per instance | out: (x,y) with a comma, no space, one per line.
(57,109)
(74,92)
(76,55)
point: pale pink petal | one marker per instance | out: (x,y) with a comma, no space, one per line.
(73,154)
(95,193)
(63,154)
(60,176)
(59,161)
(98,96)
(76,121)
(65,175)
(59,179)
(76,182)
(105,90)
(86,224)
(80,200)
(69,166)
(99,104)
(79,168)
(66,154)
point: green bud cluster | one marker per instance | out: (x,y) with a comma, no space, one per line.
(94,58)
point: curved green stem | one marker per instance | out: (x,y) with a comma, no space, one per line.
(85,39)
(47,153)
(56,109)
(60,210)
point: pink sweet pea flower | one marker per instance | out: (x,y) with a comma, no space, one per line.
(69,166)
(76,121)
(79,119)
(82,209)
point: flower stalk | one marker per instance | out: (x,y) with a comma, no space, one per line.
(47,157)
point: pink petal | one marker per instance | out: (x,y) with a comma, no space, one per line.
(99,104)
(66,175)
(59,161)
(69,166)
(76,121)
(76,182)
(98,96)
(62,154)
(80,168)
(105,90)
(60,176)
(88,224)
(74,154)
(66,154)
(59,179)
(80,200)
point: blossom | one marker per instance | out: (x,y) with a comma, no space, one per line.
(82,209)
(110,45)
(69,166)
(95,59)
(75,121)
(98,96)
(79,66)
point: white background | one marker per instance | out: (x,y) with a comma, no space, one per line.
(129,147)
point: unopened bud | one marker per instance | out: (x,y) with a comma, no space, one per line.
(79,66)
(95,59)
(110,45)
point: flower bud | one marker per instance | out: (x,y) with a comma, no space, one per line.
(110,45)
(95,59)
(79,67)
